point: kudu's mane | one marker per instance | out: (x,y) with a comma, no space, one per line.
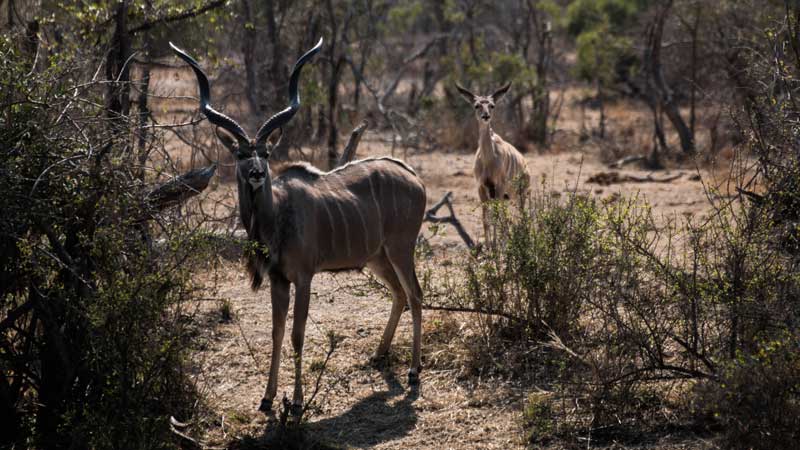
(308,171)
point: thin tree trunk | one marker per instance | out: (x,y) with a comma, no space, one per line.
(658,85)
(333,98)
(693,27)
(250,69)
(117,69)
(541,93)
(335,62)
(277,72)
(601,101)
(144,94)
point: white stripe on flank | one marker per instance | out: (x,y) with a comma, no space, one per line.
(357,202)
(346,228)
(333,225)
(394,197)
(377,207)
(363,225)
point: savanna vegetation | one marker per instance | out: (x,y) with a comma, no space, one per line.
(606,321)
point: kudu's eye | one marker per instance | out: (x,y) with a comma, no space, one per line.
(491,106)
(477,106)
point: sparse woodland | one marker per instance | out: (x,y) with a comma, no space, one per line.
(647,296)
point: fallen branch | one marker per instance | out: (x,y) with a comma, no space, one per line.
(430,216)
(349,151)
(626,160)
(184,440)
(608,178)
(464,309)
(650,179)
(179,189)
(757,199)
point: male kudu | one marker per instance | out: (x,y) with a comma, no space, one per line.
(365,213)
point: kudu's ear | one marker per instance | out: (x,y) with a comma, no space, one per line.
(498,94)
(274,139)
(469,96)
(227,140)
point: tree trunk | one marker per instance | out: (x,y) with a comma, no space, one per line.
(333,98)
(659,139)
(144,93)
(117,69)
(658,85)
(602,103)
(693,100)
(250,64)
(541,93)
(335,62)
(278,76)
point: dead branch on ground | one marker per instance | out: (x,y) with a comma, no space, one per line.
(608,178)
(626,160)
(430,216)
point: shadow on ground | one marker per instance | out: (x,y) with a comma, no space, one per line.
(381,417)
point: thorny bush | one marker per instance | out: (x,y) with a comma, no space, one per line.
(93,283)
(620,309)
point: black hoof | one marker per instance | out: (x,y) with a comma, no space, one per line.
(296,410)
(379,361)
(413,376)
(265,406)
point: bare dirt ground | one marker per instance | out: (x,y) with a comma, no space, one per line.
(361,406)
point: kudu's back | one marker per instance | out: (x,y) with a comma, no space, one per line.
(348,215)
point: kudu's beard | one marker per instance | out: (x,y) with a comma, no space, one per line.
(256,184)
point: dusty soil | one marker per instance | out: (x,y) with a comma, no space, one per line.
(360,406)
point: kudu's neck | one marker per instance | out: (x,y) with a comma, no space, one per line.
(259,217)
(485,144)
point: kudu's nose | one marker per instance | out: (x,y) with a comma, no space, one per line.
(256,173)
(256,177)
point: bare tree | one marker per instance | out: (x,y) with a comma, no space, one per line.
(662,98)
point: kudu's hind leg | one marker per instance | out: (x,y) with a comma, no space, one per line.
(279,292)
(402,259)
(382,268)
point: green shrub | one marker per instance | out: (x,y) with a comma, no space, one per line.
(538,418)
(94,334)
(617,310)
(758,397)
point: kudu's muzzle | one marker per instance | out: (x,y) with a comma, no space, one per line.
(256,177)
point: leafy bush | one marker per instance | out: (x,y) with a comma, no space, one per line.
(758,398)
(540,270)
(94,336)
(621,309)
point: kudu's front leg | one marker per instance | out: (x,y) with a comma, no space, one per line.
(279,291)
(483,195)
(301,301)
